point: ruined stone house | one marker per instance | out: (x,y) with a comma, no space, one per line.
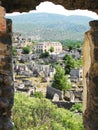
(76,75)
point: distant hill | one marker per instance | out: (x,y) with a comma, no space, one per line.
(45,26)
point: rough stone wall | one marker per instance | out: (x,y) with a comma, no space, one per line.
(6,80)
(52,91)
(91,78)
(86,66)
(27,5)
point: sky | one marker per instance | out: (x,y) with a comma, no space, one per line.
(49,7)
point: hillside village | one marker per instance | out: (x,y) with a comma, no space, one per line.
(34,70)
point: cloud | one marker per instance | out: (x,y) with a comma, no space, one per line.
(49,7)
(58,9)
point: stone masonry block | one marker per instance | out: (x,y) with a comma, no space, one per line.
(2,20)
(6,74)
(95,38)
(2,12)
(4,103)
(96,54)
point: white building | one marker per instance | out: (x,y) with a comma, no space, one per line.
(45,46)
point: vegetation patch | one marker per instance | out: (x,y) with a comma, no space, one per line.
(40,114)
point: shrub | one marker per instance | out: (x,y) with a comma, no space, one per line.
(51,49)
(26,50)
(14,50)
(38,95)
(77,107)
(40,114)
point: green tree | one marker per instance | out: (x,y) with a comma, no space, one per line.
(78,45)
(71,47)
(60,80)
(79,62)
(41,114)
(44,54)
(69,63)
(26,50)
(51,49)
(14,50)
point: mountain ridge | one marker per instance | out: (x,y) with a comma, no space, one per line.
(46,26)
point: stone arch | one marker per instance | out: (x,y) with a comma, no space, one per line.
(27,5)
(91,66)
